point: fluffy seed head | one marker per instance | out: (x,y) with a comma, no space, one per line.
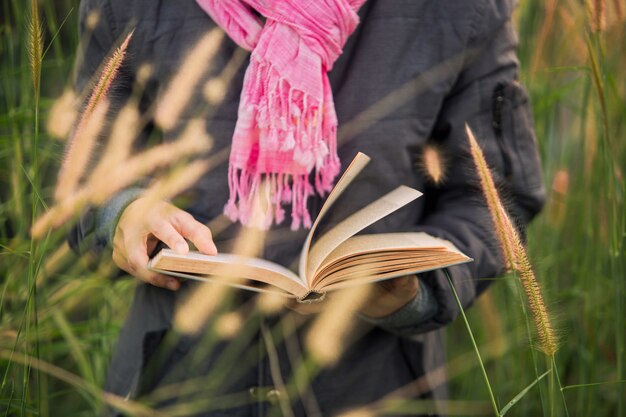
(328,336)
(496,210)
(109,73)
(78,152)
(192,141)
(596,12)
(548,342)
(228,325)
(92,19)
(214,91)
(79,147)
(215,88)
(270,303)
(178,181)
(560,184)
(556,202)
(191,315)
(143,73)
(35,44)
(515,253)
(186,80)
(432,163)
(62,115)
(60,213)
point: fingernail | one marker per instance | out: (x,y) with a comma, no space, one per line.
(172,284)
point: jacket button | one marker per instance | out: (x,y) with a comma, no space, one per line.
(273,396)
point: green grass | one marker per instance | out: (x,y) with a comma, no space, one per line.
(56,337)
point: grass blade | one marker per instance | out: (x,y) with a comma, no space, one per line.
(593,384)
(471,335)
(521,394)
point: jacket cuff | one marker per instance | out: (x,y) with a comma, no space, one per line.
(109,214)
(422,308)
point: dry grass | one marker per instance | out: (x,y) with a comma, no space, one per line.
(330,333)
(186,80)
(62,115)
(515,256)
(80,145)
(35,44)
(433,164)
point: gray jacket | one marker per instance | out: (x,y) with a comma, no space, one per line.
(414,72)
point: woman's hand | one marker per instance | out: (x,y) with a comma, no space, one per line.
(143,224)
(387,297)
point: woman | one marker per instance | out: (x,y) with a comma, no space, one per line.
(411,75)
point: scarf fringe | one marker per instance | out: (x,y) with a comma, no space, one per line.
(262,205)
(296,136)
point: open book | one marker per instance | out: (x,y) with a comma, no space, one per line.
(337,259)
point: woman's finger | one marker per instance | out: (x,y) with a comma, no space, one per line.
(167,234)
(198,233)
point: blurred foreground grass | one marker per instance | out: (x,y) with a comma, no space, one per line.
(572,64)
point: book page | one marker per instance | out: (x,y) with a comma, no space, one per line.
(356,222)
(378,258)
(228,265)
(387,242)
(366,271)
(378,250)
(356,166)
(232,283)
(393,274)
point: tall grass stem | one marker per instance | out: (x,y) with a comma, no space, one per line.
(474,345)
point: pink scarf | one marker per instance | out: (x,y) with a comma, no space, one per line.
(287,125)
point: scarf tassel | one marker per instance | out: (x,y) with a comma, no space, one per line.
(300,130)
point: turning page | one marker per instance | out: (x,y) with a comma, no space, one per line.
(356,222)
(356,166)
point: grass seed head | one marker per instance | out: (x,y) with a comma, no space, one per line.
(185,81)
(126,128)
(110,71)
(515,253)
(60,213)
(178,181)
(193,313)
(215,90)
(192,141)
(433,163)
(78,152)
(494,204)
(270,303)
(92,19)
(560,184)
(229,324)
(596,15)
(548,341)
(90,123)
(144,73)
(556,204)
(62,115)
(329,334)
(35,44)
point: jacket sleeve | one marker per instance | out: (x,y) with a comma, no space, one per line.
(100,34)
(488,98)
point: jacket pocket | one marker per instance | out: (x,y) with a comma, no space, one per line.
(513,128)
